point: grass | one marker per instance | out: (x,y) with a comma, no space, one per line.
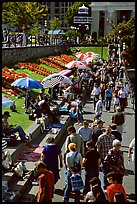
(19,117)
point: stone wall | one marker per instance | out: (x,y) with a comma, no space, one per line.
(22,54)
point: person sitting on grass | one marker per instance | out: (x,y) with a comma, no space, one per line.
(10,129)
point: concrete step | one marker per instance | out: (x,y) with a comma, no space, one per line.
(25,185)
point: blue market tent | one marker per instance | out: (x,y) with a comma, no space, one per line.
(56,32)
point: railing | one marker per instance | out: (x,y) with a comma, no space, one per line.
(23,41)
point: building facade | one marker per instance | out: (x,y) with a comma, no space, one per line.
(105,13)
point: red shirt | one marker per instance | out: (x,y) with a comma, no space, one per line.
(114,188)
(46,180)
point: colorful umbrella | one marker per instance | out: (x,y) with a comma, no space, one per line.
(27,83)
(80,55)
(65,72)
(6,102)
(77,64)
(52,80)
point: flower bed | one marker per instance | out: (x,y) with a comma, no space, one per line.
(9,76)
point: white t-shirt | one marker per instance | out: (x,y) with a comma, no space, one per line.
(96,91)
(97,108)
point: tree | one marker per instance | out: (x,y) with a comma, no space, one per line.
(23,14)
(126,32)
(35,29)
(73,33)
(55,24)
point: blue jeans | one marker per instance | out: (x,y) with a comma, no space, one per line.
(108,103)
(68,188)
(88,175)
(20,131)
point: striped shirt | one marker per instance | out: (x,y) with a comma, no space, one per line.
(104,144)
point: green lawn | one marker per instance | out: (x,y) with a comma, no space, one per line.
(20,118)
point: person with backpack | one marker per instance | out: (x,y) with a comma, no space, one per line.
(71,157)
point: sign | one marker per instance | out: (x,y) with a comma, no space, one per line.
(81,19)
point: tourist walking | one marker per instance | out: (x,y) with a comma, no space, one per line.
(95,93)
(46,183)
(91,163)
(73,137)
(114,187)
(86,132)
(98,107)
(50,154)
(108,97)
(104,144)
(114,161)
(119,119)
(70,165)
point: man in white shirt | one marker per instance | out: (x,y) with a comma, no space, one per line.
(98,107)
(86,132)
(95,92)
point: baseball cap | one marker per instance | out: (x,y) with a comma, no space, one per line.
(7,113)
(116,142)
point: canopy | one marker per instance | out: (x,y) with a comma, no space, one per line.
(56,32)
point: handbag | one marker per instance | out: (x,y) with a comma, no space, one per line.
(76,182)
(76,165)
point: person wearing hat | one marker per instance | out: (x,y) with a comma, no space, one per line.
(9,129)
(71,156)
(114,187)
(114,161)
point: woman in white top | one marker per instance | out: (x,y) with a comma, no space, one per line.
(122,98)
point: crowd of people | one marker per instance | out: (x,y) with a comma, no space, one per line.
(97,147)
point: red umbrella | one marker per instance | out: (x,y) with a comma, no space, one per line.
(77,64)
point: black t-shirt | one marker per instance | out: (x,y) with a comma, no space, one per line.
(92,157)
(96,133)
